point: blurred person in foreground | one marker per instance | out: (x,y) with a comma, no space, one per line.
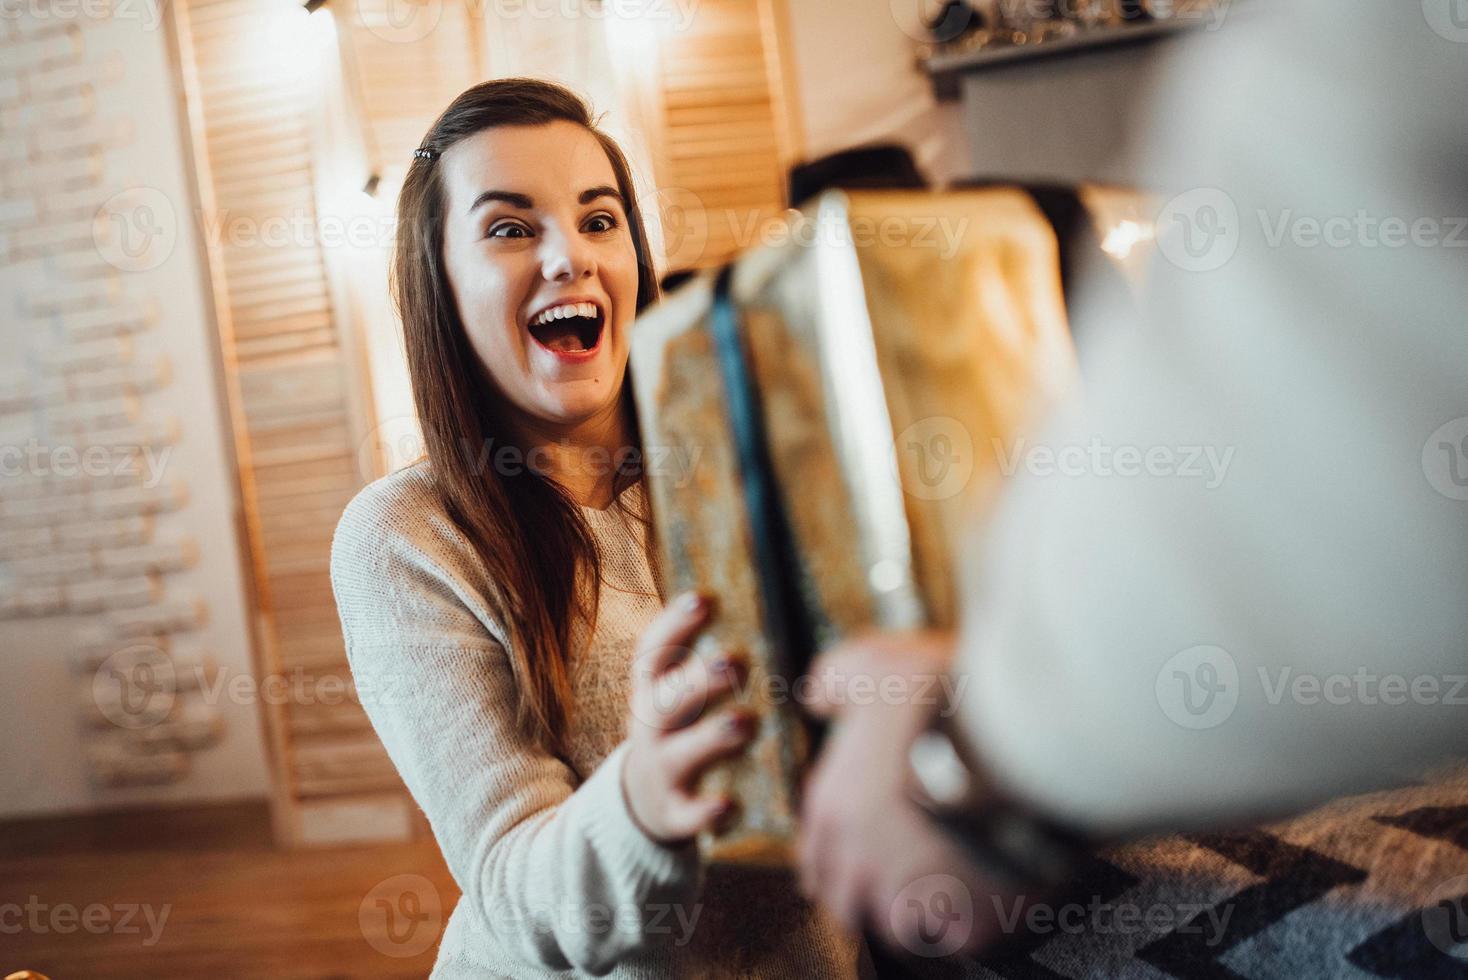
(1132,645)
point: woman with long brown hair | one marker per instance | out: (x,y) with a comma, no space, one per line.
(504,624)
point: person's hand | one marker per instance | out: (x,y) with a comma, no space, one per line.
(865,849)
(675,730)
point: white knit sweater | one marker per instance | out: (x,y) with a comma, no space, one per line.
(557,879)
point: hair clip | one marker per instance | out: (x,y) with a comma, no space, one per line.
(423,154)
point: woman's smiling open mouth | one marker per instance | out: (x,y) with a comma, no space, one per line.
(570,330)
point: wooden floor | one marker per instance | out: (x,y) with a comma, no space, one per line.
(202,893)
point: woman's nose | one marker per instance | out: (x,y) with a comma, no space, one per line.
(566,259)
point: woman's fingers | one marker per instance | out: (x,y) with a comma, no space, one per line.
(675,736)
(687,753)
(846,896)
(669,635)
(681,695)
(814,836)
(691,815)
(676,761)
(683,692)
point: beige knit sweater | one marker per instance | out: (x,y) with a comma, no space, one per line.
(557,879)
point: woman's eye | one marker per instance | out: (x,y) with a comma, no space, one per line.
(508,229)
(601,222)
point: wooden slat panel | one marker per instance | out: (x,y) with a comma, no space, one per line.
(261,350)
(285,364)
(285,274)
(719,132)
(754,114)
(679,97)
(264,330)
(248,261)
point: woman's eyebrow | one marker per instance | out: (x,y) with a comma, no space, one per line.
(521,201)
(601,190)
(525,203)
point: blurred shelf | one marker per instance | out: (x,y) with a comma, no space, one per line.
(945,70)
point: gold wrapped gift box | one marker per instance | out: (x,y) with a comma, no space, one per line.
(890,348)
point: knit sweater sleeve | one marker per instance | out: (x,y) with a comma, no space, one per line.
(554,868)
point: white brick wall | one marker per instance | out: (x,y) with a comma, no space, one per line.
(117,507)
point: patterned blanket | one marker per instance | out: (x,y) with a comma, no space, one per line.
(1366,886)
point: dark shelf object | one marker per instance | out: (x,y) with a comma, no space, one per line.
(946,69)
